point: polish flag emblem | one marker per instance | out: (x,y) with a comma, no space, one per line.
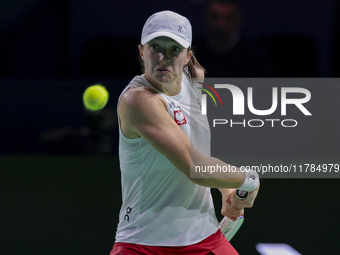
(179,117)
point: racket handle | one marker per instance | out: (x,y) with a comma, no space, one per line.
(229,227)
(241,194)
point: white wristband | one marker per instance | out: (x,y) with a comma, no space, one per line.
(251,180)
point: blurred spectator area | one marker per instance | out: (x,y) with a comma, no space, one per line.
(293,55)
(336,40)
(35,39)
(110,56)
(74,39)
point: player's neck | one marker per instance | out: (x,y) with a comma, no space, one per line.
(172,88)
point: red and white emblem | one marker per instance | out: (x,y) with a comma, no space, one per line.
(179,117)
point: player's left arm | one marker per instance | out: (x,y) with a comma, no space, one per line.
(226,209)
(231,206)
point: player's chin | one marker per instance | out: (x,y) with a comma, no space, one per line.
(164,78)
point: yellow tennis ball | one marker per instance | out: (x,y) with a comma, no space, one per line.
(95,97)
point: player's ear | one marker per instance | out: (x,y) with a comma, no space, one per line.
(140,48)
(188,56)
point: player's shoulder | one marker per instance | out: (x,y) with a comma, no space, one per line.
(138,98)
(136,93)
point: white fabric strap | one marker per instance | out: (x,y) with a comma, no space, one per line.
(251,180)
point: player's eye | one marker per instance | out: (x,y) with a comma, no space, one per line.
(154,47)
(175,49)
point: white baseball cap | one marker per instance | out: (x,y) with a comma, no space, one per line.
(169,24)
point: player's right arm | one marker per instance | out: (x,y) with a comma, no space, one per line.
(143,112)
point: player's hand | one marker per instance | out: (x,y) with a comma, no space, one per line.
(232,212)
(249,201)
(245,203)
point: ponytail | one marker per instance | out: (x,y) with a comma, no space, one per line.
(193,65)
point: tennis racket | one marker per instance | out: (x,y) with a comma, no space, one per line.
(229,227)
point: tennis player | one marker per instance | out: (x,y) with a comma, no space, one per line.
(164,211)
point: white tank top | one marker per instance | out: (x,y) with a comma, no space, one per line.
(161,206)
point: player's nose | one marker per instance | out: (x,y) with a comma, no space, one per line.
(164,57)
